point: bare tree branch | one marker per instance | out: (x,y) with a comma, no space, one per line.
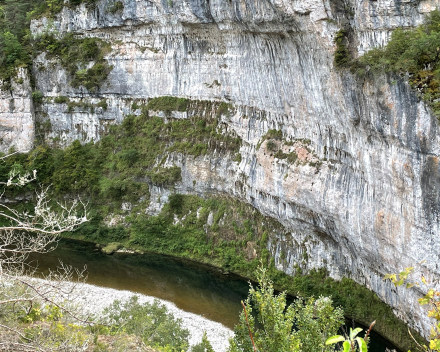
(36,231)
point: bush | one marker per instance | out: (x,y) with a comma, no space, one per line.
(303,326)
(165,176)
(61,100)
(342,55)
(37,97)
(175,202)
(203,346)
(271,146)
(152,322)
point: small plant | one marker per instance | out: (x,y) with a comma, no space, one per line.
(61,100)
(352,342)
(237,158)
(203,346)
(103,104)
(342,55)
(117,6)
(135,106)
(165,176)
(223,109)
(37,97)
(271,134)
(271,146)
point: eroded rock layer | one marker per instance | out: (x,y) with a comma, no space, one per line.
(361,198)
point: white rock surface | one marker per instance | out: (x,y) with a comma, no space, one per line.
(17,127)
(372,207)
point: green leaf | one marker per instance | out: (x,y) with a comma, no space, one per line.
(399,283)
(392,277)
(354,332)
(362,344)
(434,344)
(334,339)
(423,301)
(346,346)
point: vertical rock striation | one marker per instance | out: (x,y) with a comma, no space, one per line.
(362,198)
(17,115)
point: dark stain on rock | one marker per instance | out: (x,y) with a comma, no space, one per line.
(430,184)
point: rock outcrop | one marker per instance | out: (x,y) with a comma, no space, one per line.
(17,122)
(362,197)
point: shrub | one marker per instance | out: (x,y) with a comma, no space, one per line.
(152,322)
(271,146)
(203,346)
(342,55)
(37,97)
(303,326)
(165,176)
(61,100)
(175,202)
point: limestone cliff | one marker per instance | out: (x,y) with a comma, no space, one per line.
(362,198)
(17,123)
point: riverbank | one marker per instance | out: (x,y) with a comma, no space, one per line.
(357,301)
(93,299)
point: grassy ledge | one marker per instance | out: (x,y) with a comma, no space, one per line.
(411,53)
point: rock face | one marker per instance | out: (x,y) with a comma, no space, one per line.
(17,126)
(362,200)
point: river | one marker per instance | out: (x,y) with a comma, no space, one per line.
(192,287)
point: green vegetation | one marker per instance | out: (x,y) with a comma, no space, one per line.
(414,52)
(37,97)
(352,342)
(117,168)
(50,8)
(342,55)
(271,135)
(168,104)
(290,157)
(303,326)
(122,326)
(74,55)
(81,105)
(151,322)
(216,230)
(15,48)
(117,6)
(165,175)
(203,346)
(224,109)
(430,299)
(111,247)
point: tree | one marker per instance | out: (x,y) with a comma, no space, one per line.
(430,299)
(303,326)
(28,232)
